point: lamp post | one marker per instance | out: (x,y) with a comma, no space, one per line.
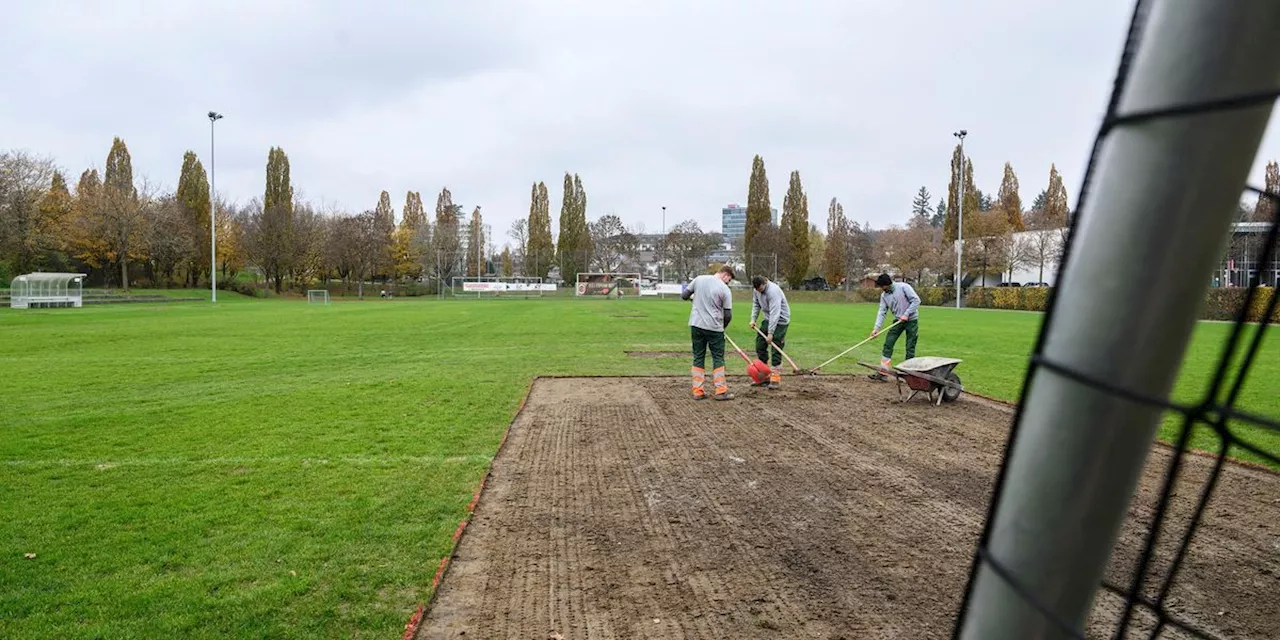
(213,213)
(960,216)
(662,269)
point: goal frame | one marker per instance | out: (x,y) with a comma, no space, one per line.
(583,281)
(311,293)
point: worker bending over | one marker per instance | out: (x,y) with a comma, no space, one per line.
(899,299)
(769,301)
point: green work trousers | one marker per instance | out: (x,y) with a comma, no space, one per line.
(891,337)
(779,342)
(704,340)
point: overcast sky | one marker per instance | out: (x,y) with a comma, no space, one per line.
(652,102)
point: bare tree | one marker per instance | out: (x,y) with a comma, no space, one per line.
(167,238)
(989,246)
(519,234)
(686,248)
(611,243)
(25,235)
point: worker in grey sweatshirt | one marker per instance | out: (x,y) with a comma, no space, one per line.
(768,300)
(901,300)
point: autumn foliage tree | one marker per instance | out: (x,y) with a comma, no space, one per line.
(447,242)
(196,206)
(1009,201)
(574,244)
(412,237)
(384,220)
(270,236)
(795,229)
(119,208)
(833,255)
(1265,209)
(475,244)
(539,252)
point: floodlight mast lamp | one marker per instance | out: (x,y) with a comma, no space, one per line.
(213,213)
(960,216)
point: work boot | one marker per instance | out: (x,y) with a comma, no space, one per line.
(723,396)
(878,377)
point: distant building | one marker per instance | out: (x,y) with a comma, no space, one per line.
(733,221)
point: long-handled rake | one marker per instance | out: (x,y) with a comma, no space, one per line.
(814,371)
(795,368)
(737,348)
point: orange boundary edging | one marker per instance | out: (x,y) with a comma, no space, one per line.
(411,627)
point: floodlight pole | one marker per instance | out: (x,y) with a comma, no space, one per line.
(1164,196)
(960,216)
(213,213)
(662,268)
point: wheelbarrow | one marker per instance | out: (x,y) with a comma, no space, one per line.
(929,374)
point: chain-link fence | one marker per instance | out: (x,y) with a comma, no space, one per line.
(1171,154)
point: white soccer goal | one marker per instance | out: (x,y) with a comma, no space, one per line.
(601,284)
(317,296)
(499,287)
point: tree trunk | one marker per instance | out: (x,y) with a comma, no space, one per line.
(124,271)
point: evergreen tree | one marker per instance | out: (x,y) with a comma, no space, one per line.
(795,226)
(759,211)
(540,252)
(939,214)
(1037,205)
(1009,200)
(197,208)
(833,255)
(920,205)
(120,206)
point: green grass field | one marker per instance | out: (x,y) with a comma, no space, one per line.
(274,469)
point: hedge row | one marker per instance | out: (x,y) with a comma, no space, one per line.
(1220,303)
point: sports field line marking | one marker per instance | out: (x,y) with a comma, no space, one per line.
(302,460)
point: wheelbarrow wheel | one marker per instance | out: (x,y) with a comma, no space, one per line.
(949,393)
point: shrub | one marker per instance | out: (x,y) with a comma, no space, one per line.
(978,297)
(1035,298)
(936,296)
(6,274)
(1007,298)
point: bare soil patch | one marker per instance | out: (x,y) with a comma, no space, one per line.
(620,508)
(658,354)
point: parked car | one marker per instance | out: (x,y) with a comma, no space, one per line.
(1008,284)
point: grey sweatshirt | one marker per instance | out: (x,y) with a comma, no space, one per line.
(901,301)
(773,302)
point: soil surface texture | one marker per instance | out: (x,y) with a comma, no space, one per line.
(621,508)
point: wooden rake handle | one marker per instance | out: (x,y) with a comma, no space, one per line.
(869,339)
(794,367)
(736,348)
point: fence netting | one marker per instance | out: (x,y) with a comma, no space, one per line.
(1141,595)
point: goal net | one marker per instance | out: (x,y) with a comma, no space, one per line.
(499,287)
(317,296)
(608,284)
